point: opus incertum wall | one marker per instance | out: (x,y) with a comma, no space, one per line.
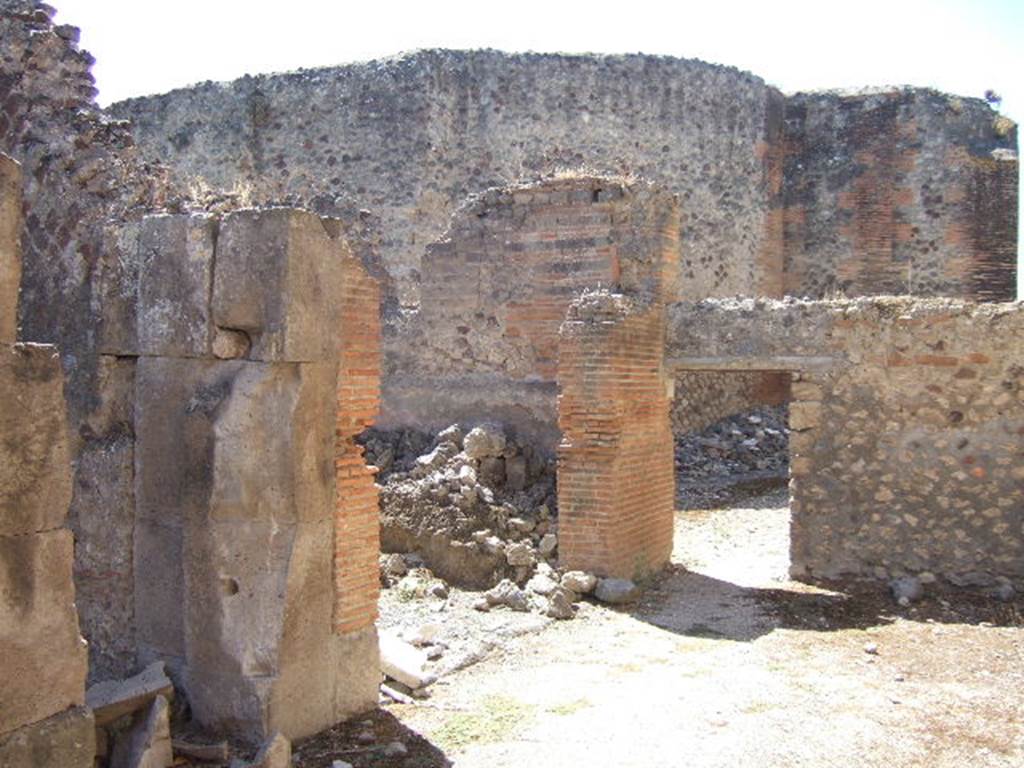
(907,427)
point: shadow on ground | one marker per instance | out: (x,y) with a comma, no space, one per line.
(349,742)
(696,605)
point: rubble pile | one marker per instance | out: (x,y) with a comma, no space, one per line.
(746,451)
(476,506)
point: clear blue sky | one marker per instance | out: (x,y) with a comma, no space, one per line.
(961,46)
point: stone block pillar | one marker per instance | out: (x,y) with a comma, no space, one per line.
(42,673)
(241,395)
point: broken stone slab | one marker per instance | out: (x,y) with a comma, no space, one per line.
(403,662)
(10,251)
(147,742)
(278,280)
(217,752)
(559,604)
(35,470)
(175,269)
(43,663)
(113,699)
(276,752)
(616,591)
(580,582)
(66,740)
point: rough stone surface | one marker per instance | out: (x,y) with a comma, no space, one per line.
(559,604)
(35,479)
(616,591)
(10,247)
(907,419)
(239,582)
(147,741)
(67,740)
(898,191)
(278,281)
(113,699)
(579,582)
(445,506)
(175,265)
(808,162)
(484,441)
(275,753)
(103,521)
(484,344)
(44,657)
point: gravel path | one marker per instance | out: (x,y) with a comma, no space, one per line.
(727,663)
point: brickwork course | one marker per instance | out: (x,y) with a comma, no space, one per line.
(485,343)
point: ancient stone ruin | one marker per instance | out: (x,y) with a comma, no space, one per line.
(461,305)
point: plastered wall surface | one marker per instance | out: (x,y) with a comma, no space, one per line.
(907,421)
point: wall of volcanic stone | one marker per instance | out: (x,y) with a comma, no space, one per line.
(905,191)
(80,171)
(907,427)
(410,138)
(899,191)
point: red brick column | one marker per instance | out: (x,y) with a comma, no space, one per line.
(357,516)
(615,461)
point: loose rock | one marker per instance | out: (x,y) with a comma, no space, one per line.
(484,441)
(579,582)
(559,605)
(508,594)
(616,591)
(906,590)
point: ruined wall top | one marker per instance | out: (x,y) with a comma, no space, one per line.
(409,138)
(776,191)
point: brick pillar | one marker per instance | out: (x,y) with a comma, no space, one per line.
(615,461)
(357,511)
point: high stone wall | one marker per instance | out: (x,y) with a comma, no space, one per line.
(409,138)
(80,172)
(904,191)
(42,677)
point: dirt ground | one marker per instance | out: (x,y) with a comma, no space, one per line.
(724,662)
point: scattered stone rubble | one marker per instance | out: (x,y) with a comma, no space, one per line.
(745,450)
(476,505)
